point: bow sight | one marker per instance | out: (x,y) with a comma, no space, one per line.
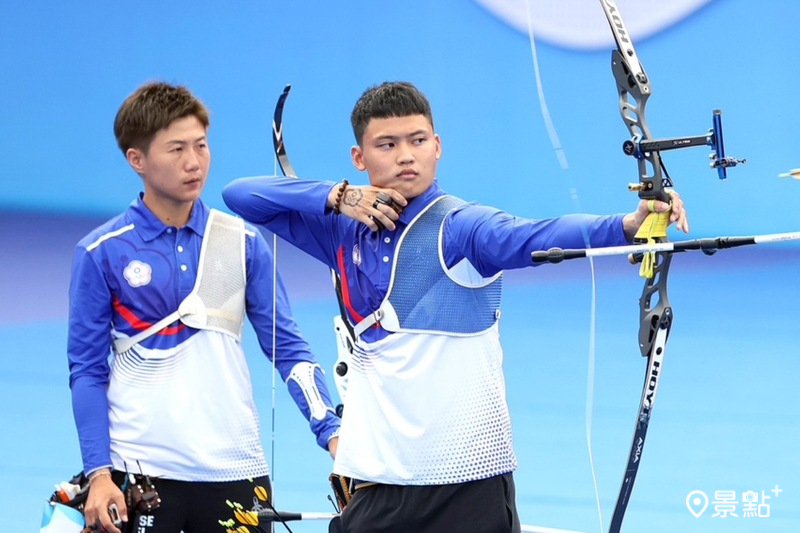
(638,148)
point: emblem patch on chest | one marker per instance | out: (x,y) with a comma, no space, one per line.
(137,273)
(356,255)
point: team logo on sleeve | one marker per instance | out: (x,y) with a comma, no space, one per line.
(137,273)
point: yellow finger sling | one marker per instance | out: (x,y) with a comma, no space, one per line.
(652,229)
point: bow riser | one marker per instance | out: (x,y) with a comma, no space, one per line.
(633,86)
(655,312)
(633,96)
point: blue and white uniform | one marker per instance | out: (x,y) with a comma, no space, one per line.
(180,403)
(428,402)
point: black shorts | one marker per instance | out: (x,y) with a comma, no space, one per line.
(484,506)
(198,506)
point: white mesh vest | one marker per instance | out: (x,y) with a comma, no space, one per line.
(426,296)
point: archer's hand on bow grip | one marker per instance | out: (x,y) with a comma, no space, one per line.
(652,230)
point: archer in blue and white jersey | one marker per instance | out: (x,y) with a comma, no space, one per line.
(426,430)
(158,299)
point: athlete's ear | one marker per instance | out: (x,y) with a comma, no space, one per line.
(438,142)
(135,159)
(357,155)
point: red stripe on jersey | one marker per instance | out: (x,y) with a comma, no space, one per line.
(345,290)
(139,324)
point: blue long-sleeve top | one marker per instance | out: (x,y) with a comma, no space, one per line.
(491,239)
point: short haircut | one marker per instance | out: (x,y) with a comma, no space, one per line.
(389,99)
(151,108)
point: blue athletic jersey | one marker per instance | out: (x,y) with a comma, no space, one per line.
(490,239)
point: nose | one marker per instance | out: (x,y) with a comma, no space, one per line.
(405,154)
(192,160)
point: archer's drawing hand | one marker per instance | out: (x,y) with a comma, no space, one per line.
(377,208)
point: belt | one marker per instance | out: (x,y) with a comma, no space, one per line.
(358,484)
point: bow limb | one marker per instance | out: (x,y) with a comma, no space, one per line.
(342,327)
(283,162)
(277,135)
(282,158)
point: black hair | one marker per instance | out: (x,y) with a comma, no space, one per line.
(389,99)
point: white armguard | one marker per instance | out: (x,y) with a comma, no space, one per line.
(303,375)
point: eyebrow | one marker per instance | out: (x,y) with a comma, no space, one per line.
(387,137)
(181,141)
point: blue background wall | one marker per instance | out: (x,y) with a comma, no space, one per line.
(68,65)
(726,417)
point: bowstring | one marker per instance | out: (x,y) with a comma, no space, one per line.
(274,341)
(562,160)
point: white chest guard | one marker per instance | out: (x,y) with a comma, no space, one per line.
(217,301)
